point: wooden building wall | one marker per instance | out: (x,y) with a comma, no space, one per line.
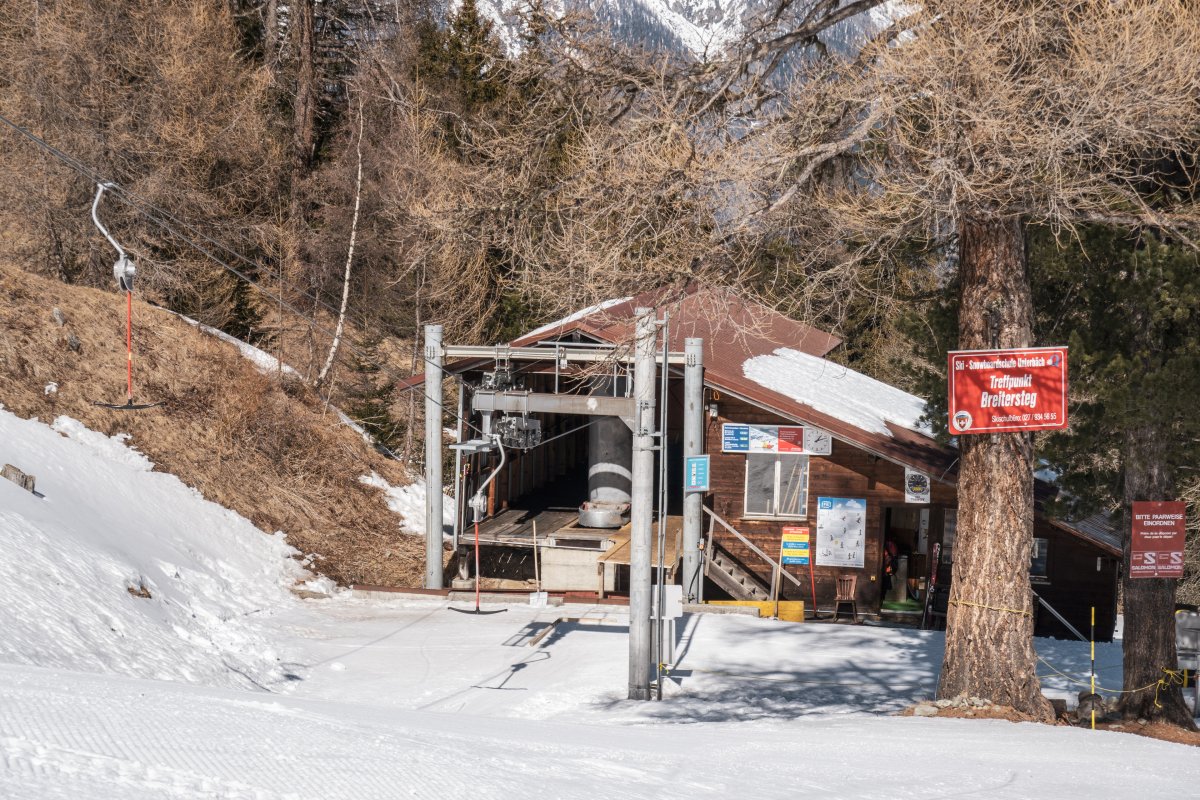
(1073,585)
(847,472)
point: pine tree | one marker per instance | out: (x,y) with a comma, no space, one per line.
(1129,306)
(369,395)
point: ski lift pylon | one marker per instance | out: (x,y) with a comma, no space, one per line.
(124,271)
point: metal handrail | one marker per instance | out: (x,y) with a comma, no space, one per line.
(775,564)
(1060,618)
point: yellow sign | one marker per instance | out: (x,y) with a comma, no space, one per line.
(794,547)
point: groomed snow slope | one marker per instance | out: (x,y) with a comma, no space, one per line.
(222,684)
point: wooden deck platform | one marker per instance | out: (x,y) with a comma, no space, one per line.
(621,551)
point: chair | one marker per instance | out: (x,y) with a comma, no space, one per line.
(845,594)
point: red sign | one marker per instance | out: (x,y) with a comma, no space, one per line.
(791,439)
(1008,390)
(1159,530)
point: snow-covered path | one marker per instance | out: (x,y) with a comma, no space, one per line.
(417,654)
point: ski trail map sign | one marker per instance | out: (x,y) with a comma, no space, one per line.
(841,532)
(996,391)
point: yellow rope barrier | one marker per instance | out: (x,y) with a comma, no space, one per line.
(1023,612)
(1173,677)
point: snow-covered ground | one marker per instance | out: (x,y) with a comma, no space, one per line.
(107,526)
(409,502)
(224,684)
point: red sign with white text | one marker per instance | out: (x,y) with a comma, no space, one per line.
(993,391)
(1159,530)
(791,439)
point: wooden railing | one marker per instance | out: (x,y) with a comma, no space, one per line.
(776,567)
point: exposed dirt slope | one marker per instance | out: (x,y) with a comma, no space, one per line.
(271,452)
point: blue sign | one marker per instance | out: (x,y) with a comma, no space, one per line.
(735,438)
(695,474)
(801,560)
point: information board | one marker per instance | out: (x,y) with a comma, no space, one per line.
(1159,530)
(841,532)
(1008,390)
(794,547)
(695,474)
(739,437)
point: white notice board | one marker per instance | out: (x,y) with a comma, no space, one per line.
(841,531)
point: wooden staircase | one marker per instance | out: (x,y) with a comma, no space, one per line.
(732,577)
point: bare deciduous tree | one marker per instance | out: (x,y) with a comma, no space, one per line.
(985,117)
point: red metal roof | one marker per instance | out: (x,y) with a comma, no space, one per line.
(732,328)
(735,330)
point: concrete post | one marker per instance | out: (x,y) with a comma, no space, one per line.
(641,507)
(693,445)
(433,456)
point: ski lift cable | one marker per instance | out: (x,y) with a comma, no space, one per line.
(312,322)
(172,224)
(164,220)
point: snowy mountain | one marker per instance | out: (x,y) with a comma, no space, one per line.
(700,28)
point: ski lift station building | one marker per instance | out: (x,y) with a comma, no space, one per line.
(799,448)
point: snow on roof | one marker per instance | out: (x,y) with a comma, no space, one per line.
(578,315)
(837,391)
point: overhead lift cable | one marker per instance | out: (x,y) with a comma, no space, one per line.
(172,225)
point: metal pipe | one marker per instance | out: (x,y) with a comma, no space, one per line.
(522,402)
(433,456)
(693,445)
(1061,618)
(662,504)
(641,508)
(458,439)
(100,187)
(568,354)
(477,504)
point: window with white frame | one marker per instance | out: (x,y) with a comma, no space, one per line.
(1037,561)
(776,485)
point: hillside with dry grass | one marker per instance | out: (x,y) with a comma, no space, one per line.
(269,450)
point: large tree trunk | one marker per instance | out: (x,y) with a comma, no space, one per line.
(989,623)
(304,107)
(1149,639)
